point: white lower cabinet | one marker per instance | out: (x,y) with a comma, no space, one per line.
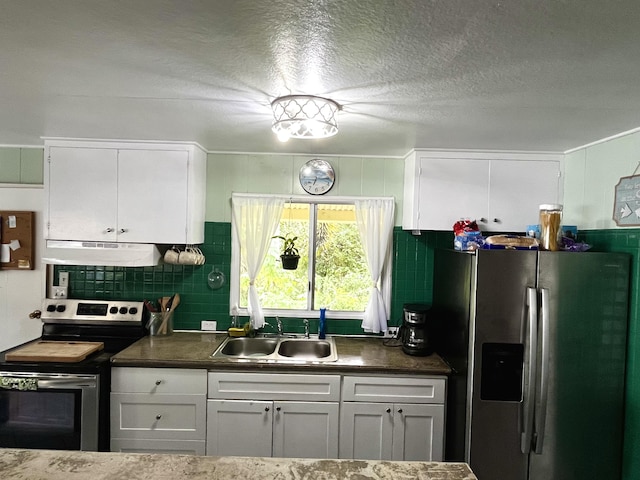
(392,418)
(192,411)
(280,415)
(158,410)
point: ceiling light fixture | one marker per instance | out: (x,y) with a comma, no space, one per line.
(304,116)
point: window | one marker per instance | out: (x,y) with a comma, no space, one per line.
(332,271)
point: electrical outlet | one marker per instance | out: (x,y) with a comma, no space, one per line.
(392,332)
(59,292)
(208,325)
(63,279)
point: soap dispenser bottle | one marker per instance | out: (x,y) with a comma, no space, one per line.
(322,324)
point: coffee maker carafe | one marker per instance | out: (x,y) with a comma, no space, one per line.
(414,330)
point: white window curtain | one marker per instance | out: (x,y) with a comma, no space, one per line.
(375,223)
(255,220)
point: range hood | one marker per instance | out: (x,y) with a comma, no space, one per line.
(69,252)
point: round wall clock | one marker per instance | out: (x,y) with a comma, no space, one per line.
(317,176)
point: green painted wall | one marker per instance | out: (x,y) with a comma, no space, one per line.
(21,165)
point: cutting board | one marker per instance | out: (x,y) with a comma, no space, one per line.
(43,351)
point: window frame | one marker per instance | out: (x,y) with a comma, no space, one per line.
(234,281)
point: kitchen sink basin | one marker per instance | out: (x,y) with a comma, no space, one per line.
(249,347)
(278,349)
(303,348)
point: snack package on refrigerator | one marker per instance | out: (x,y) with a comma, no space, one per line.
(467,235)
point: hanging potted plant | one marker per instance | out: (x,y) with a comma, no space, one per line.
(289,254)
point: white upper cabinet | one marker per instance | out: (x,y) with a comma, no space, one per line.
(502,191)
(124,192)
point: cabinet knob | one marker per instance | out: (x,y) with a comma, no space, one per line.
(399,410)
(109,230)
(158,382)
(266,409)
(496,220)
(278,409)
(158,417)
(388,410)
(122,230)
(483,220)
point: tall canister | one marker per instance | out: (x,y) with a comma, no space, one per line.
(550,220)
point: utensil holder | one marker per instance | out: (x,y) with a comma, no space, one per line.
(161,324)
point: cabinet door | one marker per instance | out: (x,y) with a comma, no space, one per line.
(82,186)
(176,417)
(451,189)
(305,430)
(517,188)
(152,196)
(418,432)
(239,428)
(366,431)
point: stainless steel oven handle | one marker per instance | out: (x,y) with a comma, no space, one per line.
(50,381)
(70,383)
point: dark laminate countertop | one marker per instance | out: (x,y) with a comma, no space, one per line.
(64,465)
(355,355)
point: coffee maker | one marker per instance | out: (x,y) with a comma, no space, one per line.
(414,329)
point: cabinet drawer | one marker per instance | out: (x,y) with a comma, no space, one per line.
(176,417)
(394,389)
(178,447)
(158,380)
(265,386)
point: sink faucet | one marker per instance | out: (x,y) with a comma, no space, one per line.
(306,328)
(279,326)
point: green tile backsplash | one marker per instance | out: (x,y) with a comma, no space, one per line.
(627,240)
(412,280)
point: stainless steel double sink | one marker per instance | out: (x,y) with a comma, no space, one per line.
(278,349)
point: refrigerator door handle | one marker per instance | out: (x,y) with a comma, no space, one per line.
(530,368)
(543,390)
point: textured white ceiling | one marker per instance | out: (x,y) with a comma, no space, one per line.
(509,74)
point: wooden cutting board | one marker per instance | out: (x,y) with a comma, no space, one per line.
(44,351)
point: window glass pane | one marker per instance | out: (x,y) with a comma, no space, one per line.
(342,277)
(342,281)
(278,288)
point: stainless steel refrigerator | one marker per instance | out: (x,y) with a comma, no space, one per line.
(537,342)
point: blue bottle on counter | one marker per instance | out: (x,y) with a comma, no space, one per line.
(322,324)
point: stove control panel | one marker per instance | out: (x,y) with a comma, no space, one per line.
(91,311)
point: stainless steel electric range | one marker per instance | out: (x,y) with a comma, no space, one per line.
(58,402)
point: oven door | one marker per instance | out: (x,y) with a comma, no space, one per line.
(49,411)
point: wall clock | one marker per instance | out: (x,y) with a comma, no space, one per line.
(317,176)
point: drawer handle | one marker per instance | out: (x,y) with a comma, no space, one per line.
(388,410)
(158,417)
(158,382)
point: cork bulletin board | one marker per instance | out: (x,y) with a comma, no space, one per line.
(16,240)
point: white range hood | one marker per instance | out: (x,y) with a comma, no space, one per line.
(69,252)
